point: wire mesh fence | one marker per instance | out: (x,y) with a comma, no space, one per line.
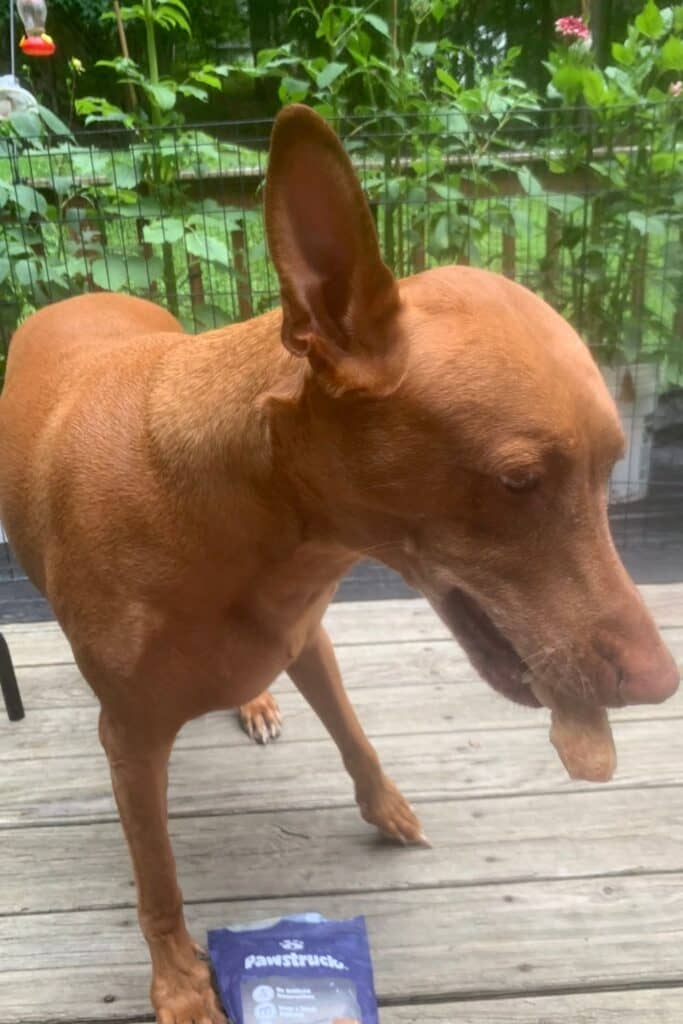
(583,207)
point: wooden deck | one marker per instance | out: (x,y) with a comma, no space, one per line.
(542,902)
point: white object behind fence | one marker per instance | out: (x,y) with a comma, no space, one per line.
(635,388)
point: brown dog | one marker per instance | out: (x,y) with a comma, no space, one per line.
(188,505)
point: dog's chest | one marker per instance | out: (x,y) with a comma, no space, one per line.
(215,639)
(267,626)
(230,657)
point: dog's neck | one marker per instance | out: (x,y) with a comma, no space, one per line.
(205,407)
(211,407)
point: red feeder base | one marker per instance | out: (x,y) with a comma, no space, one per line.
(38,46)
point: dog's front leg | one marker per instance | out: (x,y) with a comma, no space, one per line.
(317,676)
(181,982)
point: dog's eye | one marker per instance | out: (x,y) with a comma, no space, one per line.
(523,481)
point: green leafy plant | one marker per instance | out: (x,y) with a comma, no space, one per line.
(161,92)
(624,251)
(155,162)
(577,193)
(30,250)
(392,88)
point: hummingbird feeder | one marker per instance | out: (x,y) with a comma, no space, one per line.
(36,42)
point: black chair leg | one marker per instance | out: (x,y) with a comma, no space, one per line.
(9,685)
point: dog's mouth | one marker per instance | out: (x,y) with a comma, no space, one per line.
(489,650)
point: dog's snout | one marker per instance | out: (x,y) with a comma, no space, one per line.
(653,685)
(646,672)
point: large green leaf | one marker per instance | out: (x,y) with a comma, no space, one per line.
(529,182)
(163,95)
(665,163)
(568,80)
(173,14)
(379,24)
(131,12)
(439,8)
(207,248)
(29,200)
(671,55)
(449,192)
(564,202)
(54,123)
(26,123)
(647,224)
(330,73)
(110,273)
(650,21)
(93,108)
(144,272)
(123,66)
(594,88)
(207,76)
(623,54)
(292,90)
(439,236)
(424,49)
(24,272)
(187,89)
(446,79)
(206,318)
(166,229)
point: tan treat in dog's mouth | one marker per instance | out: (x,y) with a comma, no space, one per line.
(581,735)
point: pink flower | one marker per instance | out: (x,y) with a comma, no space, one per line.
(676,89)
(573,28)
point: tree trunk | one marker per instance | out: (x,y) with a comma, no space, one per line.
(599,15)
(263,23)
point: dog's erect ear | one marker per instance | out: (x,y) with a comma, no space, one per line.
(335,288)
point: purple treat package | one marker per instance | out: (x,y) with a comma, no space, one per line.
(296,971)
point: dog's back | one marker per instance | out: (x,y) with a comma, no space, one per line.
(57,363)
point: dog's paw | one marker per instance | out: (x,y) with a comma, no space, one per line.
(382,804)
(183,994)
(261,718)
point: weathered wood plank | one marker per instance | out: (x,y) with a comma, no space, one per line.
(291,776)
(381,622)
(467,705)
(61,685)
(362,665)
(433,708)
(58,685)
(100,994)
(644,1006)
(39,643)
(282,853)
(665,601)
(649,1006)
(478,941)
(659,1006)
(355,622)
